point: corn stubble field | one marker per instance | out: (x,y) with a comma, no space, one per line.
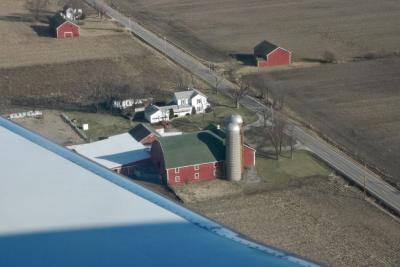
(355,104)
(211,29)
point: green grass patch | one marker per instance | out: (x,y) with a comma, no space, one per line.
(102,124)
(286,172)
(223,107)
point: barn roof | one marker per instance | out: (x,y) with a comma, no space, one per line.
(192,148)
(114,152)
(140,131)
(264,48)
(57,20)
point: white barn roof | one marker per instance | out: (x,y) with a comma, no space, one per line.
(114,151)
(60,209)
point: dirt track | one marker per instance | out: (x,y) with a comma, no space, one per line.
(52,127)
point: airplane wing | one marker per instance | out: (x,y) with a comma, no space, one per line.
(60,209)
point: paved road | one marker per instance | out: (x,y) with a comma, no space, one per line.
(338,160)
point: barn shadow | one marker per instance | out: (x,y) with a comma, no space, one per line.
(214,144)
(42,30)
(314,60)
(245,59)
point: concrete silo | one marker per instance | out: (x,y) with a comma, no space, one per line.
(233,149)
(235,118)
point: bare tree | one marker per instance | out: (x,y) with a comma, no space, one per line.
(151,87)
(218,80)
(278,100)
(280,125)
(267,115)
(71,3)
(291,139)
(76,4)
(182,82)
(36,7)
(240,92)
(275,133)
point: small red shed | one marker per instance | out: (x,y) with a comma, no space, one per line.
(268,54)
(63,28)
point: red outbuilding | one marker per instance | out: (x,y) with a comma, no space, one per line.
(194,157)
(144,134)
(268,54)
(62,27)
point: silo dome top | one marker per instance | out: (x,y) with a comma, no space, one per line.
(233,127)
(235,118)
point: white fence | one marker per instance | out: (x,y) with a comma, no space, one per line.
(27,114)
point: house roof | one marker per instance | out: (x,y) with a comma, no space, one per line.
(192,148)
(115,151)
(264,48)
(58,208)
(152,109)
(140,131)
(183,94)
(188,94)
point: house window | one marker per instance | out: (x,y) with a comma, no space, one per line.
(198,101)
(198,108)
(196,167)
(177,179)
(177,170)
(196,176)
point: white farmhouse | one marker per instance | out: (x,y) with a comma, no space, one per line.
(193,98)
(183,104)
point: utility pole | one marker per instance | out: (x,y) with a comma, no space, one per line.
(365,178)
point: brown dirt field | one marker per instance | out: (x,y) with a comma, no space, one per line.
(52,127)
(318,219)
(24,42)
(211,29)
(354,104)
(71,71)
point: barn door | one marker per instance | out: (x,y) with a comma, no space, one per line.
(68,35)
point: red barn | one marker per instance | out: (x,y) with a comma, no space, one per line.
(268,54)
(193,157)
(63,28)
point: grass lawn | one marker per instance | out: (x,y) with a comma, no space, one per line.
(102,124)
(223,107)
(283,173)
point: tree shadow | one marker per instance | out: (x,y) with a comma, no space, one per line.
(17,18)
(314,60)
(42,30)
(28,17)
